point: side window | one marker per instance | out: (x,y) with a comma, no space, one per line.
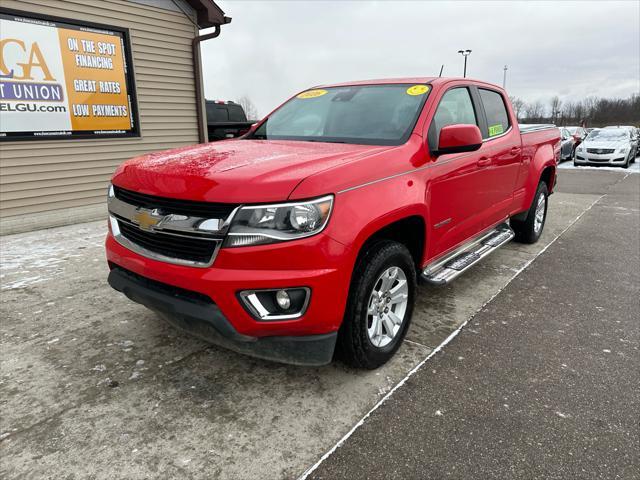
(236,113)
(217,113)
(455,108)
(496,111)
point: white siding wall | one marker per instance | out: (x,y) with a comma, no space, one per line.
(64,181)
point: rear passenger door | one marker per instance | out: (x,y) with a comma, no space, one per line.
(501,147)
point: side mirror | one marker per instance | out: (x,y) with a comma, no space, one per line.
(458,139)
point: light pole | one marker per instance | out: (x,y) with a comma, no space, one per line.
(504,78)
(465,54)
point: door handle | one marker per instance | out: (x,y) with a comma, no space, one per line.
(515,150)
(483,161)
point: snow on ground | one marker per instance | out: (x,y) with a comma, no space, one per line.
(38,256)
(633,168)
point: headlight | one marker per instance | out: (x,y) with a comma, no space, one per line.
(580,148)
(262,224)
(623,149)
(110,192)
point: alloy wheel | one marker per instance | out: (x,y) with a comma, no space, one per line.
(387,306)
(541,210)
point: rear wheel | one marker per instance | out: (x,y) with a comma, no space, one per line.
(379,306)
(530,229)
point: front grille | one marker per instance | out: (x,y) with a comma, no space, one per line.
(174,205)
(601,151)
(191,248)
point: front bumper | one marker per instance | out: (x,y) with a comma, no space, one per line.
(199,316)
(585,158)
(319,263)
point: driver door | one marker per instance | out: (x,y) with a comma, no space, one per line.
(457,193)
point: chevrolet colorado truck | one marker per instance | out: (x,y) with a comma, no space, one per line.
(305,238)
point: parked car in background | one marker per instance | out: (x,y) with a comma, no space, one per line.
(607,146)
(226,119)
(567,144)
(635,136)
(308,233)
(578,133)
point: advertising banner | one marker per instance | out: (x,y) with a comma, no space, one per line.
(64,80)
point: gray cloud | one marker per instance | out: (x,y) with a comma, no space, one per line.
(273,49)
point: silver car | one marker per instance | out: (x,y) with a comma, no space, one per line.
(635,136)
(606,146)
(567,144)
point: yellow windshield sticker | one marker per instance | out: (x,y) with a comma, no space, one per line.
(312,93)
(495,130)
(418,90)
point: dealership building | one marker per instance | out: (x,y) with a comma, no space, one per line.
(87,85)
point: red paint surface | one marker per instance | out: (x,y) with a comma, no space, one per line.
(373,187)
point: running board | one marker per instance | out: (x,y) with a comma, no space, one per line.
(446,269)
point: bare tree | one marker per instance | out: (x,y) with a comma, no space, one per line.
(555,105)
(518,106)
(250,109)
(535,111)
(595,112)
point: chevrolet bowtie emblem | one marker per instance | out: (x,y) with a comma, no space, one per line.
(147,219)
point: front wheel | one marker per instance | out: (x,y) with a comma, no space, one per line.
(380,305)
(530,229)
(628,162)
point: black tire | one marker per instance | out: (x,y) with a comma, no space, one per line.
(354,345)
(626,164)
(525,229)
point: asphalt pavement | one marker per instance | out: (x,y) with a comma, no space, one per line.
(95,386)
(543,383)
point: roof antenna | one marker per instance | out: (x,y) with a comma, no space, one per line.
(441,69)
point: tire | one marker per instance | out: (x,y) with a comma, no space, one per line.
(626,164)
(528,230)
(356,345)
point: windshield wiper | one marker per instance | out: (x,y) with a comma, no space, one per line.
(324,141)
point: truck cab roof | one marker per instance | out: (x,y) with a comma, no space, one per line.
(435,81)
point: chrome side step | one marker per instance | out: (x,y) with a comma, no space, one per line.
(446,269)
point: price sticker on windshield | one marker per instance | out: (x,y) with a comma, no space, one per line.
(312,93)
(417,90)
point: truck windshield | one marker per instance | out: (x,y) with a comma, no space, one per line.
(369,114)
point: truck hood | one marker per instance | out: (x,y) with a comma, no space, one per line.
(235,171)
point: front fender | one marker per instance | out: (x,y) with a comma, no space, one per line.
(361,212)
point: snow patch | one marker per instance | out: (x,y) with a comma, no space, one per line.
(633,168)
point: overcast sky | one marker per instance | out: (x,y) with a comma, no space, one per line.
(273,49)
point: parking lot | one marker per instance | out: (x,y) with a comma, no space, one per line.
(94,386)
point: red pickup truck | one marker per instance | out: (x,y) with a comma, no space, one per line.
(305,238)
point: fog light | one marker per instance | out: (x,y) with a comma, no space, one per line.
(276,303)
(283,299)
